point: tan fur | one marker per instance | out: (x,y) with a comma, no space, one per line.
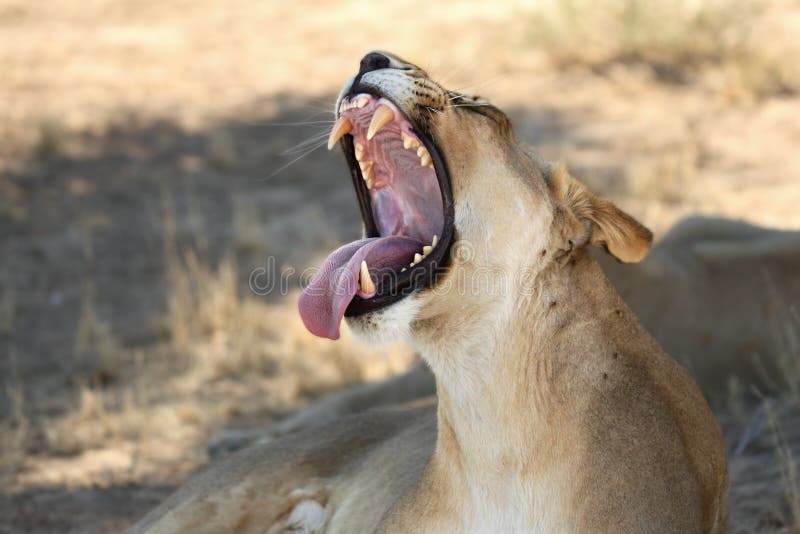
(715,293)
(557,412)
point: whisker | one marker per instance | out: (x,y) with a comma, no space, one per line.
(471,105)
(306,121)
(479,85)
(302,145)
(299,123)
(295,160)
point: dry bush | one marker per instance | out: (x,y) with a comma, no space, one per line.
(788,466)
(98,356)
(14,431)
(8,303)
(229,357)
(675,38)
(227,335)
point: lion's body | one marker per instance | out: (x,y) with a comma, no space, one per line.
(716,294)
(340,467)
(556,411)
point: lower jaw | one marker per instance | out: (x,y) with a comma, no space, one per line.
(421,278)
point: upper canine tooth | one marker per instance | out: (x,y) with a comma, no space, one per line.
(362,102)
(367,285)
(382,116)
(340,127)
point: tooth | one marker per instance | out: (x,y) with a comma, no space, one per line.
(425,160)
(366,167)
(368,175)
(340,127)
(421,151)
(341,107)
(417,257)
(426,250)
(367,285)
(404,269)
(362,102)
(408,141)
(382,116)
(435,241)
(359,151)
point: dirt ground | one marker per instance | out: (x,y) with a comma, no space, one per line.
(156,158)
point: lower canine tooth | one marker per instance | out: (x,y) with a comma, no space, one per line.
(364,280)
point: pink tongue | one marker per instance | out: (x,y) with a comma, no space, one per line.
(324,300)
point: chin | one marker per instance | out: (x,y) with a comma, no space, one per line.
(388,324)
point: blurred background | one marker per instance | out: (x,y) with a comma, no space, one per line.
(153,154)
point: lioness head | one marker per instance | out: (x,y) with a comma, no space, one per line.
(459,219)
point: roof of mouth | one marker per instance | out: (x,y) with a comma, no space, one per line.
(396,167)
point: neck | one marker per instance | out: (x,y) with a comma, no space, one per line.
(496,386)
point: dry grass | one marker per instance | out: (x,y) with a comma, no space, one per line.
(677,39)
(670,107)
(14,431)
(229,356)
(97,354)
(7,303)
(787,466)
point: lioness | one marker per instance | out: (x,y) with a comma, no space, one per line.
(556,411)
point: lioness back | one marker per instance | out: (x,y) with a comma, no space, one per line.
(293,483)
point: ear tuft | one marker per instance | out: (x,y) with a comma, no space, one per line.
(619,233)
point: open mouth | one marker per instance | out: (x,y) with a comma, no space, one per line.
(406,205)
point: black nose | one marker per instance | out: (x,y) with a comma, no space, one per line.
(373,61)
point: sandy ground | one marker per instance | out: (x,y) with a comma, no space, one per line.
(142,182)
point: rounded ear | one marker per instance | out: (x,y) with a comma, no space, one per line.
(611,228)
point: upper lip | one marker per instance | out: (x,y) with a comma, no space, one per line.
(425,272)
